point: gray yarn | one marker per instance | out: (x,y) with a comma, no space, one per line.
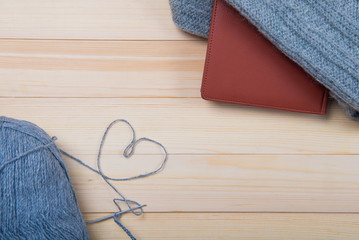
(127,153)
(37,198)
(322,36)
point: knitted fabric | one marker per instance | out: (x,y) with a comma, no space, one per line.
(322,36)
(37,200)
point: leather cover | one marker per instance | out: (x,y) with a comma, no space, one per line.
(243,67)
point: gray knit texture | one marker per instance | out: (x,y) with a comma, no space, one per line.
(322,36)
(37,200)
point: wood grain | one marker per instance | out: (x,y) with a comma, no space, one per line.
(74,66)
(231,226)
(230,183)
(45,68)
(192,126)
(88,19)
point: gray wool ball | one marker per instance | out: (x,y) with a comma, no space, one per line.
(37,200)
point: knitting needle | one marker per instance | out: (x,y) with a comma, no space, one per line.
(117,213)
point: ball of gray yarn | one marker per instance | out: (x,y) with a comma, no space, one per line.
(37,200)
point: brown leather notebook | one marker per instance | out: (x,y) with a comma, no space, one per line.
(243,67)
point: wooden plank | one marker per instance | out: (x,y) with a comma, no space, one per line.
(231,183)
(187,126)
(88,19)
(231,226)
(101,68)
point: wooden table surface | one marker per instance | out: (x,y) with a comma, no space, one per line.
(234,172)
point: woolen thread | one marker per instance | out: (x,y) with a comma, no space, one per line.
(37,200)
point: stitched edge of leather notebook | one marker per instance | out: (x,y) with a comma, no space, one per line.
(323,105)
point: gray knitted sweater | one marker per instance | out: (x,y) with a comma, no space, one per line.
(322,36)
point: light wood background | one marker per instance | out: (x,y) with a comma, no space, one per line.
(234,172)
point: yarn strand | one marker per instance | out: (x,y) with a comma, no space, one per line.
(27,153)
(137,209)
